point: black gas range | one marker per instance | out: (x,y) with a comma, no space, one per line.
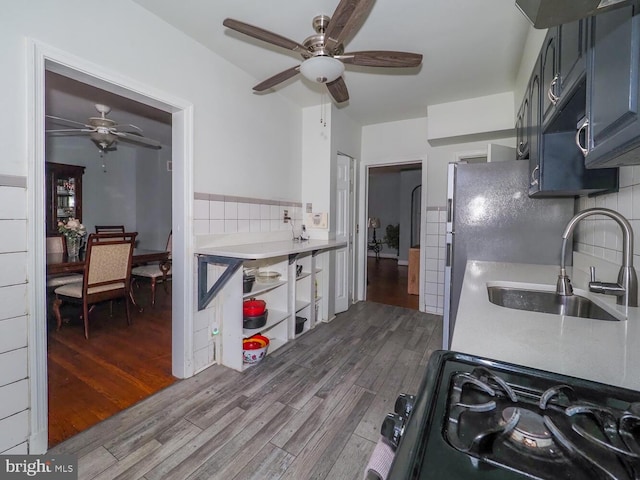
(478,418)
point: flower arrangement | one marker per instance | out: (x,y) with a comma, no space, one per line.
(72,228)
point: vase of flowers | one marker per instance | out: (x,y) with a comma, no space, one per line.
(73,232)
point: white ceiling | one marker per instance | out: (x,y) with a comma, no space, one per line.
(470,48)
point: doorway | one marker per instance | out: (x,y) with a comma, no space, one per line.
(393,226)
(45,59)
(91,380)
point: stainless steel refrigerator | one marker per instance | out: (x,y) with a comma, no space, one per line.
(491,217)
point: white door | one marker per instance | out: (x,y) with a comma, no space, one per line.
(342,255)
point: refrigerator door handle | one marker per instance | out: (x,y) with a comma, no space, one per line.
(448,255)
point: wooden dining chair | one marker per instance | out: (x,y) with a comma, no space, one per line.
(107,276)
(57,244)
(109,228)
(155,272)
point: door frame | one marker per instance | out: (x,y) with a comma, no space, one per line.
(363,215)
(40,58)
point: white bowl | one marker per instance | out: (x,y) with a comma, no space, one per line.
(268,277)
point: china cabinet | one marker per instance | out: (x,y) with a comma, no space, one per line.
(64,193)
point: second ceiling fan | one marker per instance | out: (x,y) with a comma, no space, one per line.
(323,54)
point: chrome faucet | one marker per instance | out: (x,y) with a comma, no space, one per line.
(626,289)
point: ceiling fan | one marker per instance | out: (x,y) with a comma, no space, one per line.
(103,131)
(323,54)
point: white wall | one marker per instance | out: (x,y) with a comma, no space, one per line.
(474,117)
(532,47)
(316,163)
(153,197)
(244,144)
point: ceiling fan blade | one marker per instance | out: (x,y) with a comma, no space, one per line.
(276,79)
(68,132)
(138,140)
(338,90)
(264,35)
(381,58)
(64,121)
(127,127)
(346,19)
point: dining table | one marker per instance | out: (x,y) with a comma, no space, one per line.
(58,263)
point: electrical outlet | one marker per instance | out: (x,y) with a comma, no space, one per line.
(286,216)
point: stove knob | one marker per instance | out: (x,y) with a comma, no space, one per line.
(392,428)
(404,404)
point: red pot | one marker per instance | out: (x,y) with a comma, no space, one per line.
(253,307)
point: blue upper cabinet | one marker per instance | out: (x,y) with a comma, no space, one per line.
(572,38)
(563,66)
(555,99)
(612,134)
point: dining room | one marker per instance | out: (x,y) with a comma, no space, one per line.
(124,185)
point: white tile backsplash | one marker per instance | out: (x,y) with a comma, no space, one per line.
(231,211)
(436,219)
(244,211)
(254,213)
(265,212)
(201,209)
(227,214)
(602,237)
(243,226)
(216,210)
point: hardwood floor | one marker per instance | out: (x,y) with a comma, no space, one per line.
(119,365)
(312,409)
(387,283)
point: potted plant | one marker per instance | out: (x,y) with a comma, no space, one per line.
(392,237)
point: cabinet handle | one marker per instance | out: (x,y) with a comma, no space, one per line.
(585,127)
(553,98)
(534,180)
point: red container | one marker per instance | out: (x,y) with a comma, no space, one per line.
(253,307)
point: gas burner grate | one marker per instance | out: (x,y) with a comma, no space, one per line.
(545,433)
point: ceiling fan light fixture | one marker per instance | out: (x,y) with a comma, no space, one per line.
(103,140)
(322,69)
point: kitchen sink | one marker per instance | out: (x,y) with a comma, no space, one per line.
(547,302)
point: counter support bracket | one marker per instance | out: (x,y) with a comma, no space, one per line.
(205,296)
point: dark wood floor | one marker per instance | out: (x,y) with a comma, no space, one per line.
(387,283)
(119,365)
(312,409)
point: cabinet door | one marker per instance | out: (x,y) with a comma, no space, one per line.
(64,194)
(571,58)
(522,126)
(549,72)
(612,87)
(535,104)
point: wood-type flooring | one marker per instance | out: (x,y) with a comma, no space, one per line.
(119,365)
(311,409)
(387,283)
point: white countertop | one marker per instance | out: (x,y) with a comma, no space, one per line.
(603,351)
(255,251)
